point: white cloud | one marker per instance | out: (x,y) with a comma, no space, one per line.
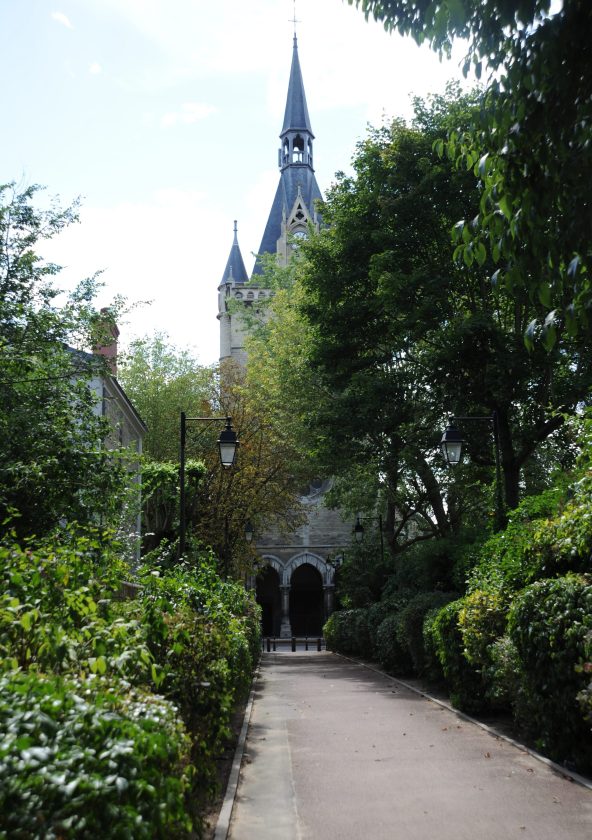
(189,113)
(95,68)
(60,17)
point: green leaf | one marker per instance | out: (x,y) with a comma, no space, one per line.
(481,253)
(504,206)
(529,335)
(544,292)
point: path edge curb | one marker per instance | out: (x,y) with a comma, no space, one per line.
(225,815)
(557,768)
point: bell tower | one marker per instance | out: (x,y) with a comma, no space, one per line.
(293,207)
(296,588)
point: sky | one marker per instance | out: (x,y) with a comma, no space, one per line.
(163,116)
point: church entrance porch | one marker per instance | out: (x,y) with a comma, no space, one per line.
(306,601)
(269,598)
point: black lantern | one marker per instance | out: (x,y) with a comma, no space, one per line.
(227,444)
(451,444)
(249,531)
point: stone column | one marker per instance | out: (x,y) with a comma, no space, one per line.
(329,592)
(285,629)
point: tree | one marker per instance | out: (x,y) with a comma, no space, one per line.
(529,145)
(395,335)
(53,466)
(162,381)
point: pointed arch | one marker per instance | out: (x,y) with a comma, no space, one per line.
(325,569)
(275,563)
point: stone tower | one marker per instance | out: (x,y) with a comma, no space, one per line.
(296,587)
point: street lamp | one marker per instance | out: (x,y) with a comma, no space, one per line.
(249,531)
(227,446)
(359,530)
(452,443)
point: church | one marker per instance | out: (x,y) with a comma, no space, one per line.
(296,585)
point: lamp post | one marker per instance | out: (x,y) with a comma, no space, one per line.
(249,531)
(227,445)
(359,530)
(452,443)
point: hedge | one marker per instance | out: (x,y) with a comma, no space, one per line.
(86,757)
(550,623)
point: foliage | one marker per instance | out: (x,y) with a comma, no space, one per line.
(188,634)
(409,626)
(529,146)
(445,640)
(54,467)
(56,613)
(346,631)
(549,624)
(363,573)
(356,359)
(439,564)
(162,381)
(391,654)
(82,756)
(547,535)
(160,500)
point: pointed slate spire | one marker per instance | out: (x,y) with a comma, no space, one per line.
(235,270)
(295,160)
(296,115)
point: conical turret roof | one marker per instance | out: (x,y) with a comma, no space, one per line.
(235,267)
(296,115)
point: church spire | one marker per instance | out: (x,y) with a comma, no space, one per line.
(294,203)
(235,270)
(296,134)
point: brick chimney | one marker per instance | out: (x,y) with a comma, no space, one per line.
(107,333)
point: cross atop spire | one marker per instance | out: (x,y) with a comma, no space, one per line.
(294,20)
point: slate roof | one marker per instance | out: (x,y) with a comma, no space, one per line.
(235,266)
(296,114)
(291,177)
(294,174)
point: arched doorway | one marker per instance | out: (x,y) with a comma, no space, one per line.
(306,601)
(268,597)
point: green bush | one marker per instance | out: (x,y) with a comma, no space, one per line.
(482,621)
(189,635)
(57,612)
(346,632)
(392,656)
(545,537)
(82,758)
(444,638)
(409,627)
(549,624)
(432,667)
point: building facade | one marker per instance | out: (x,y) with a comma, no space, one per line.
(296,584)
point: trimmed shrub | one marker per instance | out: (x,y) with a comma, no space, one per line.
(392,656)
(482,621)
(445,639)
(346,632)
(432,667)
(86,757)
(549,624)
(409,627)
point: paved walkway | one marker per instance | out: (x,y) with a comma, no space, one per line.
(336,751)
